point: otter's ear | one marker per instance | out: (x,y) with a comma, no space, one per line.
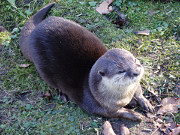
(101,73)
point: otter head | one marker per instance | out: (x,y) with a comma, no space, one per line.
(116,74)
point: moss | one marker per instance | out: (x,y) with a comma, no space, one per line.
(22,108)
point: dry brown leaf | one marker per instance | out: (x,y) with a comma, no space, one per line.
(175,128)
(165,130)
(150,115)
(171,128)
(2,29)
(176,131)
(108,129)
(47,95)
(124,130)
(171,125)
(157,124)
(85,123)
(170,100)
(143,32)
(159,120)
(109,1)
(104,7)
(23,65)
(169,105)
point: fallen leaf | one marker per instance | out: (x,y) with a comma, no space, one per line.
(23,65)
(109,1)
(120,19)
(171,125)
(124,130)
(165,130)
(96,20)
(85,123)
(119,22)
(47,95)
(2,29)
(108,129)
(171,128)
(104,7)
(150,115)
(176,131)
(143,32)
(159,120)
(169,105)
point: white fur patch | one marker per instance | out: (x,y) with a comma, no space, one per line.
(119,83)
(118,89)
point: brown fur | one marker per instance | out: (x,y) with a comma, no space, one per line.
(72,59)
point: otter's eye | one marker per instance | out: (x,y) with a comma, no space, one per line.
(101,73)
(121,71)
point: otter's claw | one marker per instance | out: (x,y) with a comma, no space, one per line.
(146,105)
(63,97)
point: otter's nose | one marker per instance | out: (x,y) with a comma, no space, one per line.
(133,73)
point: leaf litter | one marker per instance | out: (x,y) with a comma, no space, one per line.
(108,130)
(23,65)
(105,8)
(163,120)
(143,32)
(168,105)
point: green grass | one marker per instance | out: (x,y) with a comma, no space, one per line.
(22,108)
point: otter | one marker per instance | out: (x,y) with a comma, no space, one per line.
(73,60)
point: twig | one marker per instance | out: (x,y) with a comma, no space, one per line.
(155,131)
(155,95)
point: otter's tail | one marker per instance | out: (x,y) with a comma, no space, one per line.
(29,27)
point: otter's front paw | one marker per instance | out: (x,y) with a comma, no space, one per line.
(129,114)
(146,105)
(63,97)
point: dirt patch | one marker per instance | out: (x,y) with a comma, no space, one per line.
(145,127)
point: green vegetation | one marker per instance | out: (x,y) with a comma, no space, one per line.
(22,108)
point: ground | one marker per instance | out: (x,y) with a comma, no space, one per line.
(23,107)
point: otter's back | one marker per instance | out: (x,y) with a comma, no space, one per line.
(64,52)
